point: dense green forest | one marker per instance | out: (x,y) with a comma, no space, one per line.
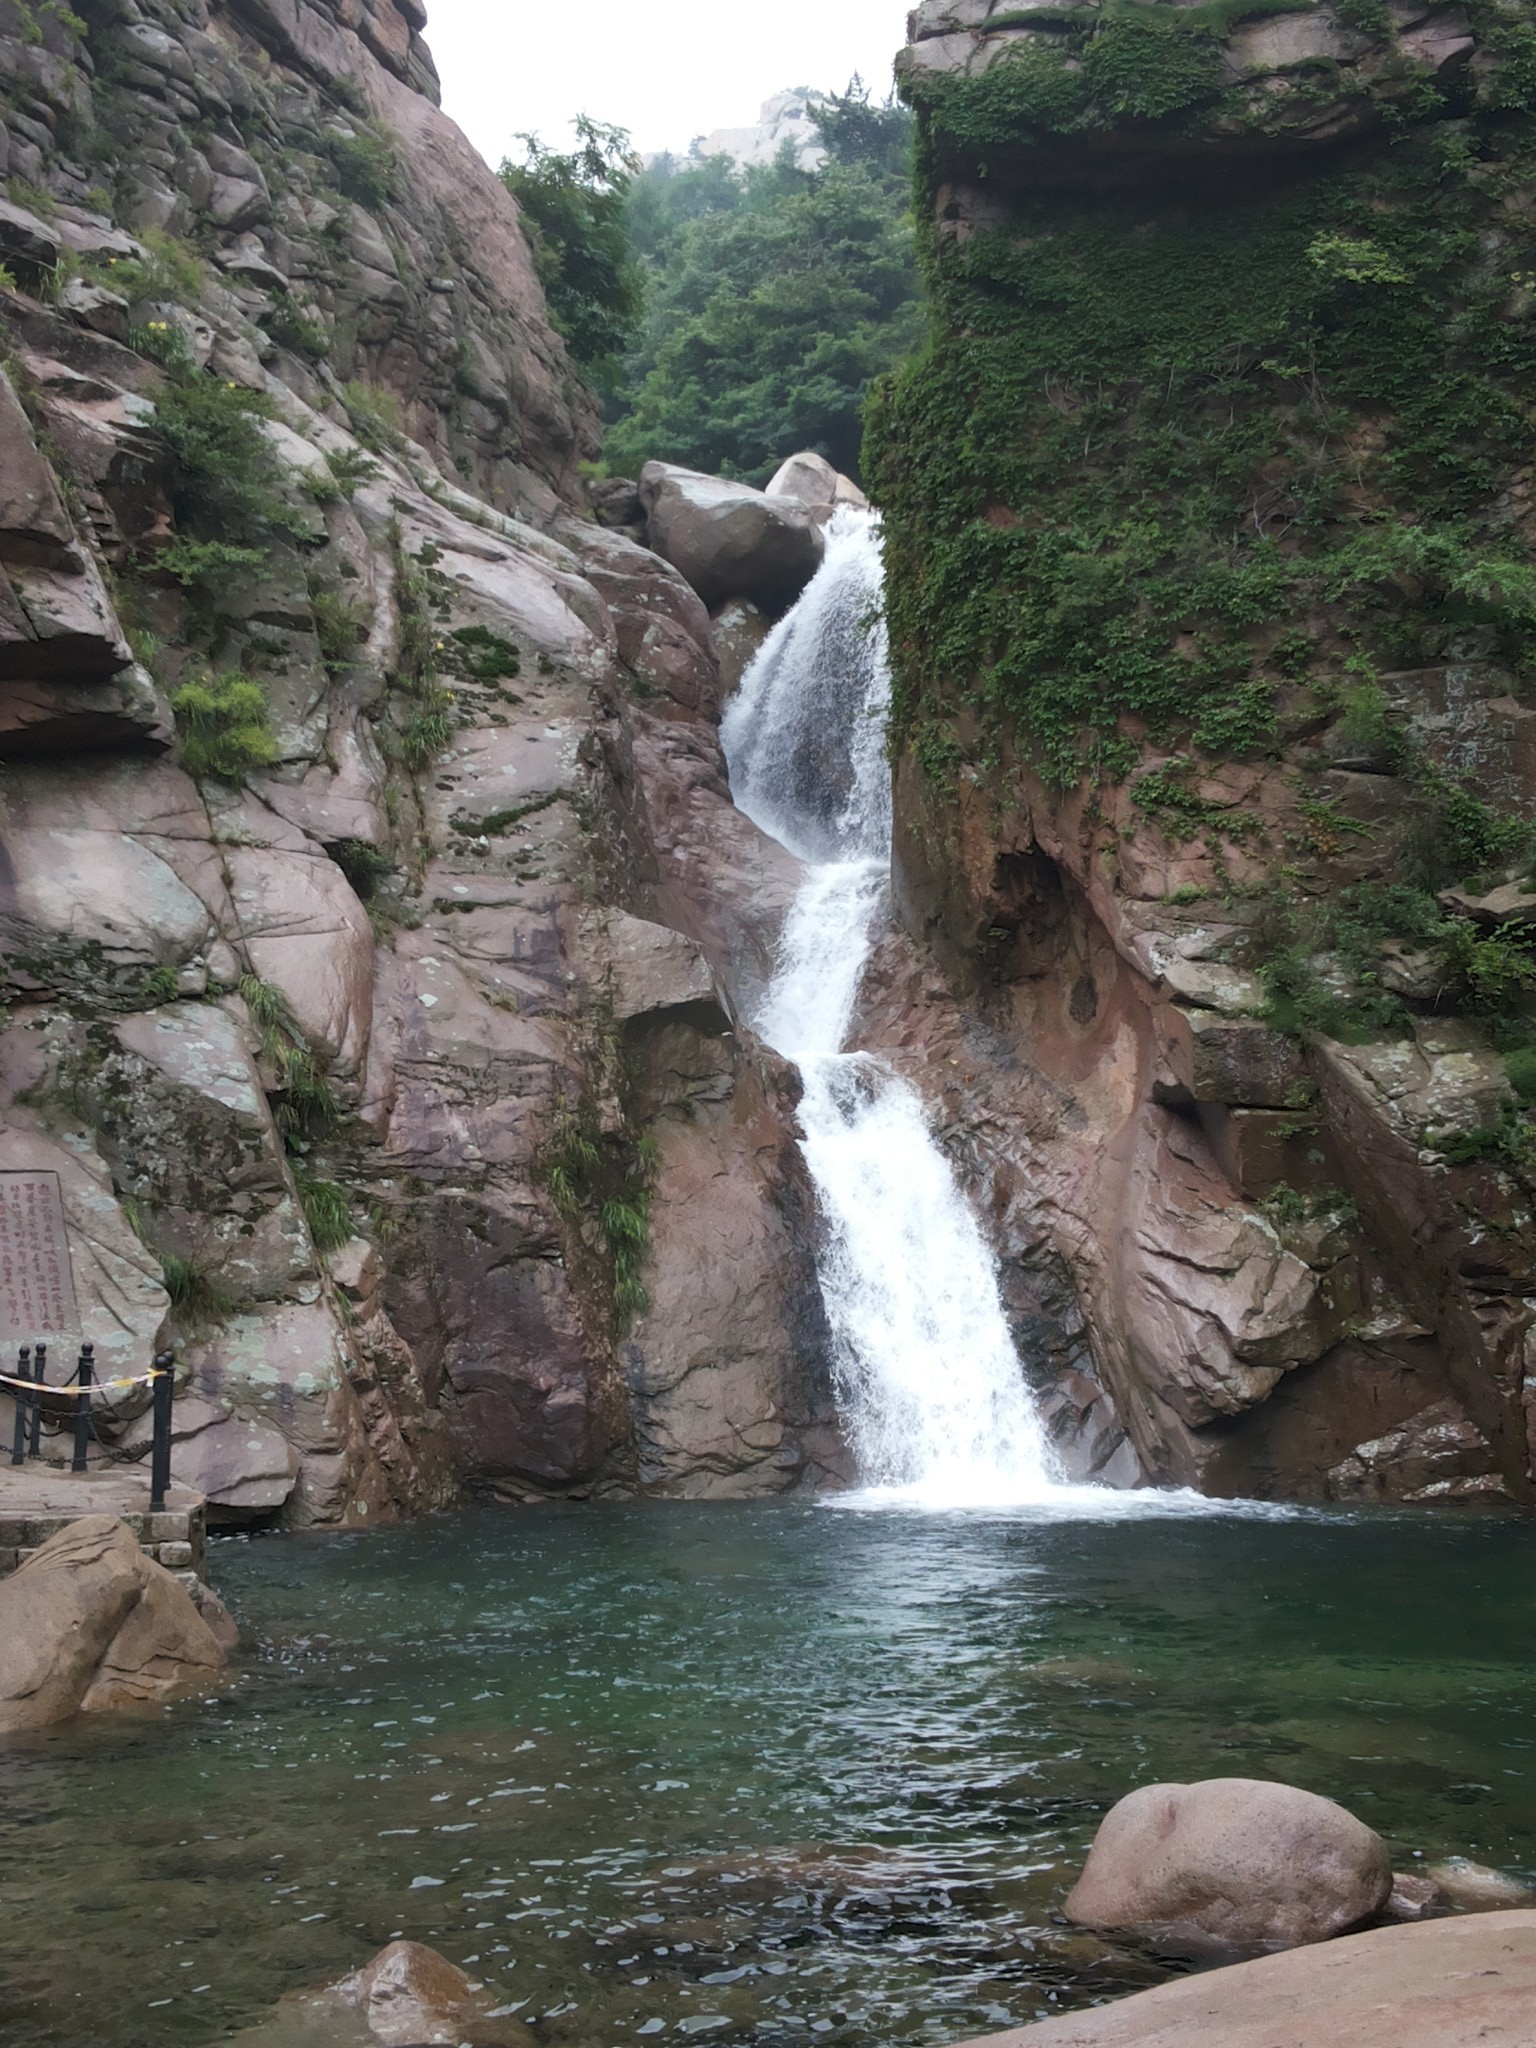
(728,317)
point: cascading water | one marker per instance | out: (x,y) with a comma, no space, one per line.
(931,1390)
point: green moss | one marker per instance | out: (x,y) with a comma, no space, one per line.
(478,655)
(1085,69)
(1149,437)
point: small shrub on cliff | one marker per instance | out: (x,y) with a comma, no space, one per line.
(423,737)
(375,415)
(1490,970)
(225,727)
(1464,838)
(433,719)
(364,865)
(365,163)
(200,1299)
(1509,1141)
(168,269)
(341,625)
(228,489)
(307,1108)
(1355,260)
(296,326)
(350,467)
(328,1212)
(206,565)
(603,1189)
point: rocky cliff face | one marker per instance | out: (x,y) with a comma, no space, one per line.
(1208,517)
(358,801)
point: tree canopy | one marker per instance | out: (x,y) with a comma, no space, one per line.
(774,295)
(575,209)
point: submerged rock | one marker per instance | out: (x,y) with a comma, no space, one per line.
(1437,1986)
(90,1623)
(1474,1888)
(1232,1863)
(409,1996)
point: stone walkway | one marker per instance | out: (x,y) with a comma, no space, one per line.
(37,1500)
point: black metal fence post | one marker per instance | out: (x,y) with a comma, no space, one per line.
(160,1461)
(39,1374)
(23,1372)
(85,1379)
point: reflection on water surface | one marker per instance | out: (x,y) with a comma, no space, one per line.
(764,1774)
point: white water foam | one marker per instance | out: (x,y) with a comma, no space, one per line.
(930,1389)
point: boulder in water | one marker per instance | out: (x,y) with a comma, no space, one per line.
(729,540)
(409,1996)
(1474,1888)
(1441,1985)
(1231,1863)
(90,1623)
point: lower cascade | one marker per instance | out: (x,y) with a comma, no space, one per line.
(933,1398)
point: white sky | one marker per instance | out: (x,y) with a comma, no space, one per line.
(666,70)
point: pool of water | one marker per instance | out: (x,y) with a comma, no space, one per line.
(759,1774)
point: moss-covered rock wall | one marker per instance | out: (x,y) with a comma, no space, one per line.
(1209,521)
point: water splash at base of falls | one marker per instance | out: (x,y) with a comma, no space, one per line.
(930,1388)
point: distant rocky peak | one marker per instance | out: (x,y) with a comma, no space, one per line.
(787,117)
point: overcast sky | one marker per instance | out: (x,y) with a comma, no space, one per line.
(666,70)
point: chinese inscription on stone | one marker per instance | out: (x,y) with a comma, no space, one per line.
(37,1292)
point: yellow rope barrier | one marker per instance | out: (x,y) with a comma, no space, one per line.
(75,1393)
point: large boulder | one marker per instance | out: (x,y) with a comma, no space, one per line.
(90,1623)
(1444,1984)
(811,480)
(1231,1863)
(728,539)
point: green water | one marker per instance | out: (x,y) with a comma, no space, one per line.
(774,1774)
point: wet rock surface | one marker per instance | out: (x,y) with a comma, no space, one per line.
(1438,1986)
(349,991)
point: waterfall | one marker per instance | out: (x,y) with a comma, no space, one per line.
(930,1388)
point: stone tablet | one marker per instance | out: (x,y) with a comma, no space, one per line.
(37,1288)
